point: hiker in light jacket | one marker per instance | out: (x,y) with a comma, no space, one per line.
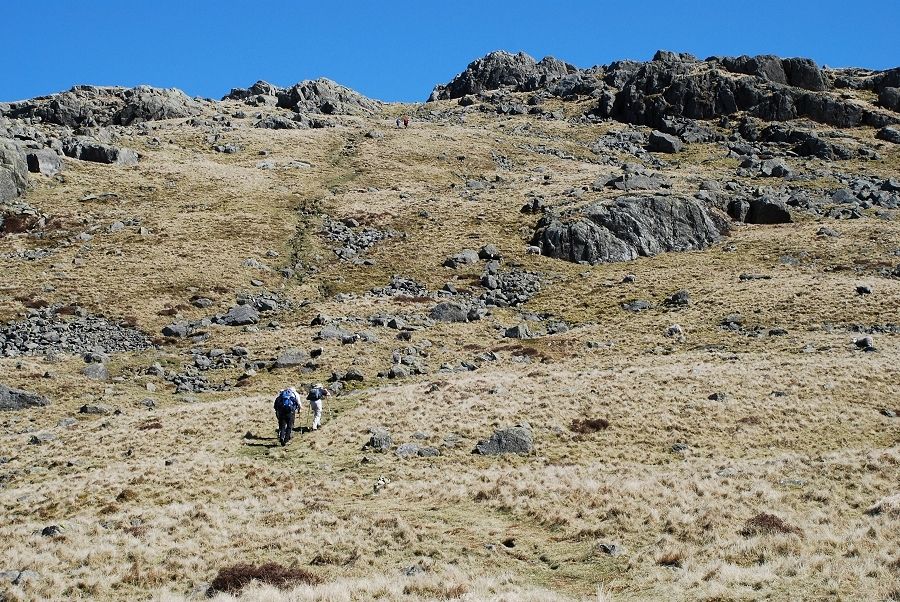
(317,394)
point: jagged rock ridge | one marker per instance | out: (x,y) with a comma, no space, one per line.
(678,85)
(503,69)
(311,96)
(90,106)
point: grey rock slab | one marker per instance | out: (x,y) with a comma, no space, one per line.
(464,257)
(96,372)
(628,228)
(660,142)
(449,311)
(13,171)
(17,399)
(240,315)
(44,161)
(380,439)
(291,358)
(87,149)
(513,440)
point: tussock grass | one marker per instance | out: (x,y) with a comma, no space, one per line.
(156,502)
(234,578)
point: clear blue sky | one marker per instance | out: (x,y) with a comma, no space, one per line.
(397,50)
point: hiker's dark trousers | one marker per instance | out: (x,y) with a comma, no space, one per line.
(285,425)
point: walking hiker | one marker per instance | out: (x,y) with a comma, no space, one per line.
(406,121)
(398,123)
(316,394)
(286,405)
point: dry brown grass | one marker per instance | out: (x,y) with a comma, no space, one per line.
(765,524)
(232,579)
(585,426)
(155,502)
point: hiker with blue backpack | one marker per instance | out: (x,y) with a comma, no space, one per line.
(286,405)
(317,393)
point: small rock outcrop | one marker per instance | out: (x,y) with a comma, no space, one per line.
(13,171)
(629,227)
(501,69)
(513,440)
(17,399)
(767,87)
(380,439)
(87,149)
(319,96)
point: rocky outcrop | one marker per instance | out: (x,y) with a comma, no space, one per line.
(678,85)
(321,96)
(628,228)
(798,72)
(91,106)
(518,72)
(766,87)
(88,149)
(513,440)
(13,171)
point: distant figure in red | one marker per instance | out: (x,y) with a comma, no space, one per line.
(406,121)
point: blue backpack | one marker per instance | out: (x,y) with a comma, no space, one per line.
(285,401)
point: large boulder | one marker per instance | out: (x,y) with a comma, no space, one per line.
(240,315)
(260,88)
(765,66)
(804,73)
(889,98)
(449,311)
(13,171)
(764,210)
(464,257)
(501,69)
(96,372)
(291,358)
(44,161)
(513,440)
(660,142)
(145,103)
(889,134)
(380,439)
(327,97)
(17,399)
(629,227)
(798,72)
(87,149)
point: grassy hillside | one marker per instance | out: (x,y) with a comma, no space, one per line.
(152,503)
